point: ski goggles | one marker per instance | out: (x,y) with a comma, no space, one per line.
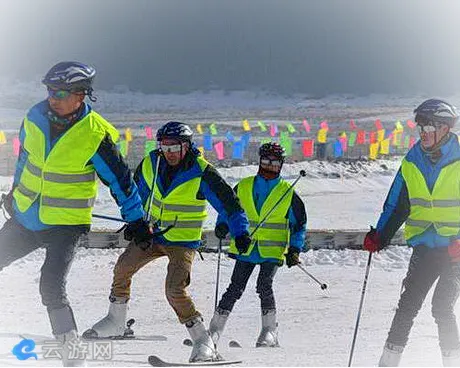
(268,162)
(427,128)
(173,148)
(59,94)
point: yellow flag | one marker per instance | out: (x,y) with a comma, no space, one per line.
(199,129)
(201,149)
(373,150)
(322,135)
(397,135)
(246,125)
(399,126)
(128,135)
(2,137)
(380,135)
(385,147)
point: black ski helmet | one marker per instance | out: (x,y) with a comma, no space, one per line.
(272,149)
(71,76)
(436,111)
(175,130)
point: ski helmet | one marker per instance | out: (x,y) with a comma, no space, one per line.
(436,111)
(70,76)
(175,130)
(272,149)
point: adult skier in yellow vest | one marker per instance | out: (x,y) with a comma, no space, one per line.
(425,195)
(182,181)
(284,229)
(64,144)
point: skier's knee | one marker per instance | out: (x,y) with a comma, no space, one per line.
(442,313)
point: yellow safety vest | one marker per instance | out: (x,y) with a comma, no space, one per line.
(440,208)
(181,204)
(273,236)
(64,181)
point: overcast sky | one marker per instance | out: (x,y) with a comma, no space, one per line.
(311,46)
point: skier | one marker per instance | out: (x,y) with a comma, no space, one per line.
(426,195)
(181,181)
(64,144)
(283,229)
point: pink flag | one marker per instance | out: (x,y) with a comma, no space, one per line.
(378,125)
(148,132)
(219,147)
(344,142)
(352,124)
(372,137)
(324,125)
(16,146)
(411,124)
(411,141)
(306,125)
(273,129)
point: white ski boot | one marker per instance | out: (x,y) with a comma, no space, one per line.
(391,355)
(451,358)
(113,324)
(217,324)
(73,351)
(203,346)
(269,335)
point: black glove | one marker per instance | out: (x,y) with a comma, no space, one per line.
(242,243)
(221,230)
(140,232)
(292,257)
(7,201)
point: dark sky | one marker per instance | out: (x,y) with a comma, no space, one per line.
(288,46)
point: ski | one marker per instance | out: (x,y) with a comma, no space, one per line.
(156,361)
(231,343)
(128,338)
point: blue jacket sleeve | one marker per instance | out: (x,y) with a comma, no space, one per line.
(395,210)
(297,223)
(225,202)
(22,157)
(114,172)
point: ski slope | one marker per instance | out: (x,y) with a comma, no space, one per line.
(315,326)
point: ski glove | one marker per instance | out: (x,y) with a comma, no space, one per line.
(242,243)
(221,230)
(139,231)
(372,241)
(292,257)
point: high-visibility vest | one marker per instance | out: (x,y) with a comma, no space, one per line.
(440,208)
(272,236)
(64,181)
(180,206)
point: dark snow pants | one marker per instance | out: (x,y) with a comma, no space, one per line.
(240,277)
(426,266)
(60,244)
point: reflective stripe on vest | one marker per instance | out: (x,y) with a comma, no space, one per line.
(64,181)
(179,206)
(440,207)
(272,237)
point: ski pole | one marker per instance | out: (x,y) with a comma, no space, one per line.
(302,173)
(109,218)
(363,292)
(323,285)
(148,215)
(219,252)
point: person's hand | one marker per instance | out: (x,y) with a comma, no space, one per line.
(7,200)
(454,250)
(372,241)
(139,231)
(242,243)
(292,257)
(221,230)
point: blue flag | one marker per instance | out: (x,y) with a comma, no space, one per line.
(207,142)
(238,150)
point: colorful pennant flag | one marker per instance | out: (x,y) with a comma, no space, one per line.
(324,125)
(378,124)
(353,125)
(411,124)
(207,142)
(273,130)
(237,153)
(213,129)
(322,135)
(373,150)
(308,147)
(262,126)
(385,147)
(290,127)
(230,136)
(246,126)
(352,139)
(148,132)
(219,147)
(306,125)
(199,129)
(16,146)
(128,135)
(361,138)
(338,149)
